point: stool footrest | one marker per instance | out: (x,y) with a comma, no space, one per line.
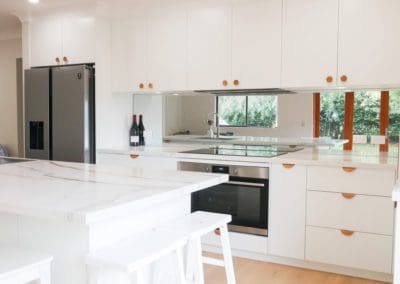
(213,261)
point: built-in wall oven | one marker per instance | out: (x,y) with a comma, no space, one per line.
(245,196)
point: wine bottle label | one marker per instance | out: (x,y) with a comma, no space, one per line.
(134,139)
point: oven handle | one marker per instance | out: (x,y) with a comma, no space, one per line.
(245,183)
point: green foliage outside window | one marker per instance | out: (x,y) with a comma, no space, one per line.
(251,111)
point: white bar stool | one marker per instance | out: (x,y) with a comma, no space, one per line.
(135,254)
(195,226)
(19,266)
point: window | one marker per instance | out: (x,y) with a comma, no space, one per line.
(248,111)
(332,115)
(371,117)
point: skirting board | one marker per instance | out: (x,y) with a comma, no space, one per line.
(306,264)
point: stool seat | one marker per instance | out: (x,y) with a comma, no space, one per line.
(199,223)
(17,263)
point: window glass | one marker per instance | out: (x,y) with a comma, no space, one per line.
(262,111)
(394,121)
(248,111)
(332,115)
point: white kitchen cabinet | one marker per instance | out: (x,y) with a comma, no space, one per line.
(287,210)
(256,43)
(128,53)
(357,250)
(369,42)
(166,47)
(139,161)
(309,44)
(45,41)
(56,38)
(78,39)
(209,44)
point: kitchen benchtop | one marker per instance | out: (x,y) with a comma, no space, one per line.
(257,141)
(307,156)
(85,194)
(396,192)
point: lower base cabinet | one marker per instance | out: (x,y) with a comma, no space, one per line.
(351,249)
(287,210)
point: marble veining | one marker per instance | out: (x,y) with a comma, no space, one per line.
(76,192)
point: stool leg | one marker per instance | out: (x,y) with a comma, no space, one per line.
(226,249)
(199,278)
(140,276)
(45,273)
(92,275)
(181,269)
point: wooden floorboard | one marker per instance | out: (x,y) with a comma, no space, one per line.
(257,272)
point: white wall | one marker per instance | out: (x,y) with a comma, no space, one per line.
(295,116)
(10,50)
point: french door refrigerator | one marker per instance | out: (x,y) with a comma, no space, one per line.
(60,113)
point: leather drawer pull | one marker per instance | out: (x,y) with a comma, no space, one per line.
(347,232)
(348,195)
(349,169)
(134,156)
(288,166)
(217,232)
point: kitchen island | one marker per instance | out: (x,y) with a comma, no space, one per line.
(71,209)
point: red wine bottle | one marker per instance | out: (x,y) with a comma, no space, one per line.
(141,131)
(134,133)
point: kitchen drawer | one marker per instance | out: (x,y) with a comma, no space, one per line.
(243,242)
(362,213)
(351,180)
(359,250)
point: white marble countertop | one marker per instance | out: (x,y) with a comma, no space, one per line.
(306,156)
(396,192)
(257,141)
(84,194)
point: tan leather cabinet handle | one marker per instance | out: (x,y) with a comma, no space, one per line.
(347,233)
(288,166)
(349,169)
(134,156)
(348,195)
(329,79)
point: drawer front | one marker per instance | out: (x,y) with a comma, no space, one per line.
(359,250)
(351,180)
(362,213)
(137,161)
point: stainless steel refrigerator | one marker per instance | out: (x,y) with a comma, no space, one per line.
(60,113)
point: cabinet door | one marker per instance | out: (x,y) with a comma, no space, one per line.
(79,39)
(369,42)
(287,211)
(166,47)
(128,54)
(256,43)
(45,41)
(209,44)
(310,29)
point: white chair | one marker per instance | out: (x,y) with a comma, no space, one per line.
(135,254)
(195,226)
(19,266)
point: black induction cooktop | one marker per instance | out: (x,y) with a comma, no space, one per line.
(245,151)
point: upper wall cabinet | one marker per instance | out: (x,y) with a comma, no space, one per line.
(310,29)
(148,49)
(209,44)
(369,39)
(45,41)
(256,43)
(61,41)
